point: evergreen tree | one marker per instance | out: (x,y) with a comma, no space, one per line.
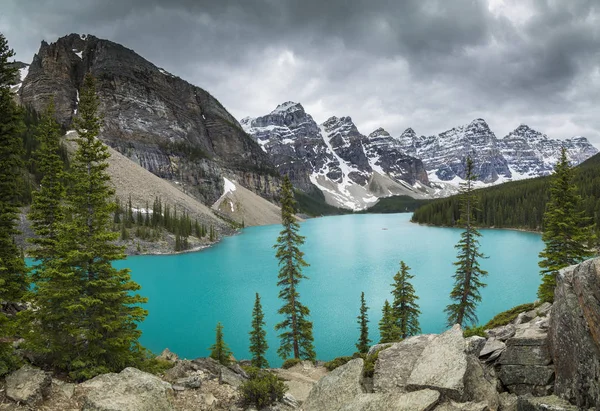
(13,272)
(297,335)
(388,330)
(90,307)
(567,233)
(219,351)
(46,209)
(363,321)
(258,340)
(405,308)
(467,279)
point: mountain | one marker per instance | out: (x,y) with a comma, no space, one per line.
(530,153)
(348,168)
(444,154)
(172,128)
(523,153)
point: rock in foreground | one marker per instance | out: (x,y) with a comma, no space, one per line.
(337,389)
(130,390)
(28,385)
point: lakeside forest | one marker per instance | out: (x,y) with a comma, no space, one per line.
(86,311)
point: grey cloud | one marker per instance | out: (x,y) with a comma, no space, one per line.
(428,64)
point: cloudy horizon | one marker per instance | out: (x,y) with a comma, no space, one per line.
(426,64)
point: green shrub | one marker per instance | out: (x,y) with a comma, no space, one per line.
(290,362)
(337,362)
(370,360)
(507,316)
(474,330)
(262,389)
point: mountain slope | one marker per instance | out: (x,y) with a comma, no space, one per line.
(173,129)
(334,158)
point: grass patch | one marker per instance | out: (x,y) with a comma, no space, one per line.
(474,331)
(508,316)
(290,362)
(337,362)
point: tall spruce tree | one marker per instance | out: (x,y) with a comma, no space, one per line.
(467,279)
(567,233)
(258,340)
(405,308)
(46,208)
(99,309)
(297,335)
(388,330)
(219,351)
(13,272)
(363,325)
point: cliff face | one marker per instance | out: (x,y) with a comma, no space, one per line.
(170,127)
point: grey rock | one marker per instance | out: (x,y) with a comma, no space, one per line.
(548,403)
(502,333)
(526,355)
(167,355)
(290,401)
(474,345)
(208,365)
(395,364)
(28,385)
(193,381)
(544,309)
(181,369)
(534,375)
(492,346)
(463,406)
(66,388)
(230,377)
(478,387)
(525,317)
(236,368)
(508,401)
(337,388)
(574,334)
(177,387)
(130,390)
(442,366)
(423,400)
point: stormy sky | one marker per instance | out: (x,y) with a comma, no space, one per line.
(426,64)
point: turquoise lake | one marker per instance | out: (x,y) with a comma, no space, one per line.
(189,293)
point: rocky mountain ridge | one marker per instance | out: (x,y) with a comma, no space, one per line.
(353,170)
(172,128)
(349,168)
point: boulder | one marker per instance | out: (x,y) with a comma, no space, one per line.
(544,309)
(491,347)
(208,365)
(474,345)
(181,369)
(442,366)
(549,403)
(502,333)
(290,401)
(527,379)
(423,400)
(574,334)
(227,376)
(508,401)
(395,364)
(130,390)
(193,381)
(167,355)
(462,406)
(28,385)
(336,389)
(478,387)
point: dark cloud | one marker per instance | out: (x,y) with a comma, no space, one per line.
(428,64)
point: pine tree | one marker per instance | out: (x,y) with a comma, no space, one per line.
(297,335)
(405,308)
(467,279)
(219,351)
(46,209)
(567,233)
(13,272)
(363,322)
(388,330)
(258,340)
(90,306)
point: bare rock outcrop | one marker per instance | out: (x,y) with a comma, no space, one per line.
(574,334)
(28,385)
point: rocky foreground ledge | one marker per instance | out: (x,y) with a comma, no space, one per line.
(546,359)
